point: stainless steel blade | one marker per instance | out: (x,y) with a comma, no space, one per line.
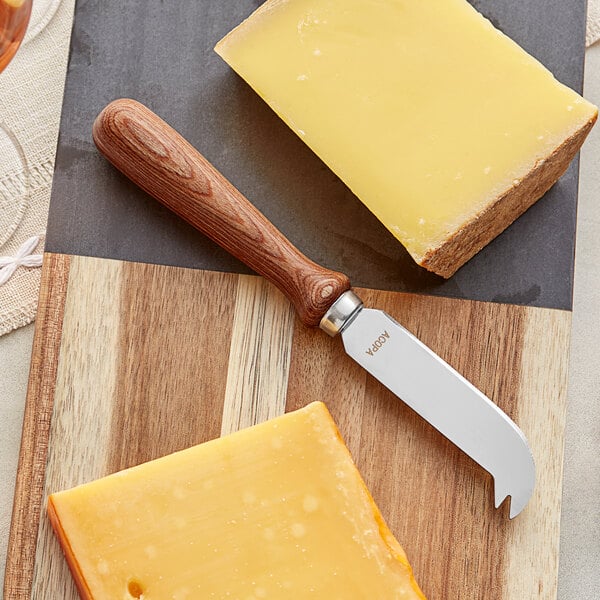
(444,398)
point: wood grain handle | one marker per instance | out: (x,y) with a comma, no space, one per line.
(161,162)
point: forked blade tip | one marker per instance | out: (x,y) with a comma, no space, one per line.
(515,475)
(517,504)
(519,491)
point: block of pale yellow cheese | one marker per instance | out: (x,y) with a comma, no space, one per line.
(276,511)
(444,127)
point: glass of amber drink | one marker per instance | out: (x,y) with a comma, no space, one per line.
(14,17)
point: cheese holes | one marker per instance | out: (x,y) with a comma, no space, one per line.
(135,589)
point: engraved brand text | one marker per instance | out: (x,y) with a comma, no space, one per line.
(380,341)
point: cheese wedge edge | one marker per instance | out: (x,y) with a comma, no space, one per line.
(335,512)
(437,121)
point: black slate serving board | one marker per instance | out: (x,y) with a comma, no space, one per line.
(161,53)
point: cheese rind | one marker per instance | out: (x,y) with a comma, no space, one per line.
(425,110)
(275,511)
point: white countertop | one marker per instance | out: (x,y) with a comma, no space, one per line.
(580,527)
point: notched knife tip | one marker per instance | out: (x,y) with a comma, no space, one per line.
(515,507)
(520,488)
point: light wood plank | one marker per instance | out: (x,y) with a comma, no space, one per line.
(83,403)
(261,344)
(533,540)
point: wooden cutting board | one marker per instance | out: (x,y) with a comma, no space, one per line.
(132,361)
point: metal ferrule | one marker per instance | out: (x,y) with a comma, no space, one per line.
(341,313)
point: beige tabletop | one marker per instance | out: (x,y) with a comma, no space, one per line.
(580,528)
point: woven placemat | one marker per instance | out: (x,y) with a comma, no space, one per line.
(31,91)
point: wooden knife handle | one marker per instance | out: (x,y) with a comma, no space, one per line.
(161,162)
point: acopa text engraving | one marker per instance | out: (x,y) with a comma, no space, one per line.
(380,341)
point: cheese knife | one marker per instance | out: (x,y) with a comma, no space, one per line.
(158,159)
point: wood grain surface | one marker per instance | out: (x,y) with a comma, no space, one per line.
(133,361)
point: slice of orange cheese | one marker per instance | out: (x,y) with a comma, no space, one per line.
(277,511)
(445,128)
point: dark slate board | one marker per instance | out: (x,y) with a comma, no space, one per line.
(161,53)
